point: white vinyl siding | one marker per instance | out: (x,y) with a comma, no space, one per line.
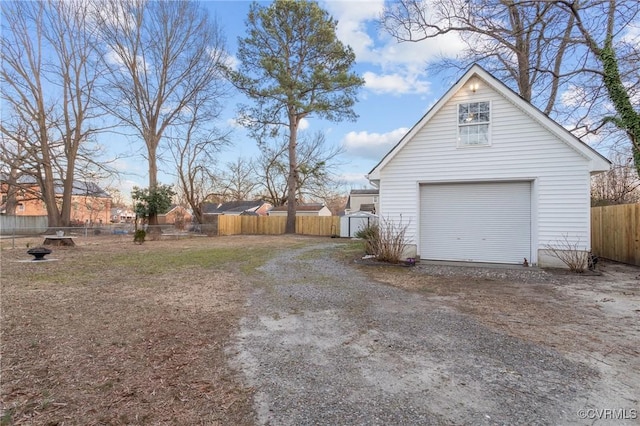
(476,222)
(521,150)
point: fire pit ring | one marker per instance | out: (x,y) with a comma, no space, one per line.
(39,252)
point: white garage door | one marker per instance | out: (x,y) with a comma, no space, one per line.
(478,222)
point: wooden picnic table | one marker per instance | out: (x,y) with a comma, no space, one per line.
(54,240)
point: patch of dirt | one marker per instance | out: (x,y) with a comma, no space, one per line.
(590,318)
(84,342)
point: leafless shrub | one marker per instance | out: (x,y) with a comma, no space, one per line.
(569,253)
(620,185)
(385,240)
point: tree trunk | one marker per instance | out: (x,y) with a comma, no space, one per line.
(12,193)
(292,179)
(47,184)
(197,212)
(67,192)
(153,231)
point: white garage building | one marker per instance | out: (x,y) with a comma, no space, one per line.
(484,176)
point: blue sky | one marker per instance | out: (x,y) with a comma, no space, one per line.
(397,92)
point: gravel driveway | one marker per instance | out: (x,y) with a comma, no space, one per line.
(324,344)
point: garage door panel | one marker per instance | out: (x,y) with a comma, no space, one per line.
(480,222)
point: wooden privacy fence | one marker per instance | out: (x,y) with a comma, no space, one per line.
(615,232)
(274,225)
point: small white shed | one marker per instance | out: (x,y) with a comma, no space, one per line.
(485,176)
(354,222)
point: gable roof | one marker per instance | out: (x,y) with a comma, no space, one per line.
(231,207)
(597,162)
(88,189)
(300,208)
(175,207)
(80,188)
(370,191)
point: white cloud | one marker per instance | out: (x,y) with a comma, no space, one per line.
(113,15)
(354,180)
(126,186)
(632,34)
(232,62)
(113,58)
(234,123)
(358,26)
(574,97)
(124,59)
(372,145)
(352,19)
(395,84)
(402,65)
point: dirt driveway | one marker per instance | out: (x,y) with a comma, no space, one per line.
(326,342)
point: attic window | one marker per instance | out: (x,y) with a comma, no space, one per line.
(473,123)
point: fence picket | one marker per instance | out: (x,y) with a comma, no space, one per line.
(275,225)
(615,232)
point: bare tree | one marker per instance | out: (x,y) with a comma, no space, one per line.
(620,185)
(194,147)
(12,163)
(524,43)
(163,54)
(317,164)
(117,199)
(239,181)
(602,24)
(271,171)
(49,76)
(334,198)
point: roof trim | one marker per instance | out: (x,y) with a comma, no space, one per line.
(597,162)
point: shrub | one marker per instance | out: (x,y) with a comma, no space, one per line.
(370,235)
(139,236)
(385,240)
(391,241)
(569,253)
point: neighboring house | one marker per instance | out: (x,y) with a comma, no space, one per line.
(237,208)
(177,215)
(302,210)
(89,203)
(119,215)
(362,200)
(485,176)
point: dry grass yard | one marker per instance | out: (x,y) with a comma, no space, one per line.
(109,332)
